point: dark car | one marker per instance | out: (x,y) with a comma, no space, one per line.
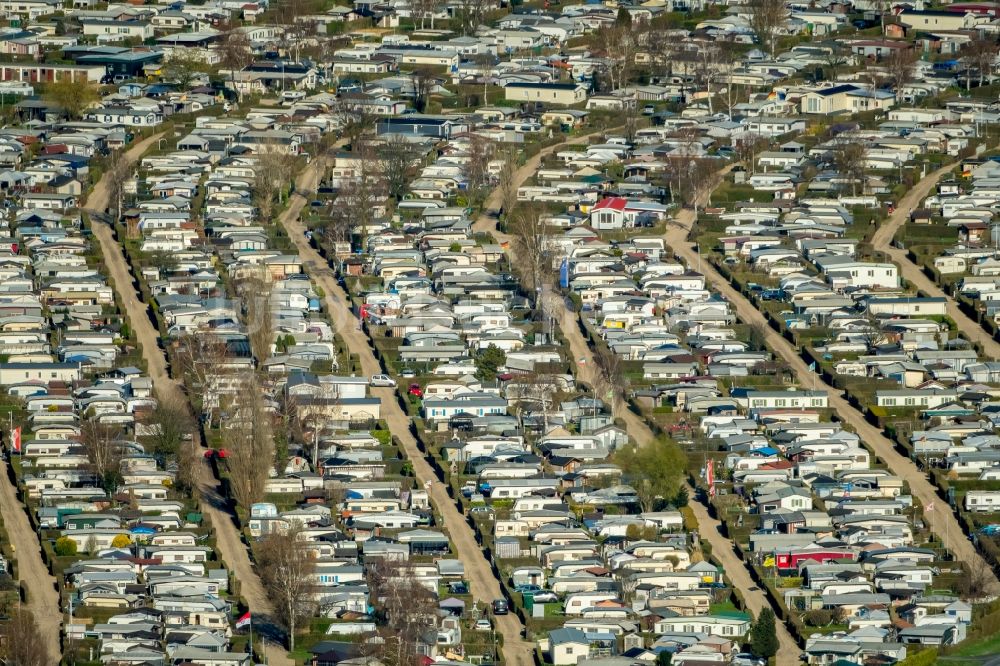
(500,607)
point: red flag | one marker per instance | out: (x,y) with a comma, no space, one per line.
(15,440)
(243,621)
(710,478)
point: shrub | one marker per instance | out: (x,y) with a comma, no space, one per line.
(65,547)
(818,618)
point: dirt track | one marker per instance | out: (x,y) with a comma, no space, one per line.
(882,241)
(42,599)
(484,586)
(941,520)
(584,371)
(228,544)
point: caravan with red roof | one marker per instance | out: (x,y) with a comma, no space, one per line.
(621,213)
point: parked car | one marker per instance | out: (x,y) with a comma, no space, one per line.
(528,588)
(545,597)
(482,624)
(747,659)
(408,373)
(415,390)
(500,607)
(382,380)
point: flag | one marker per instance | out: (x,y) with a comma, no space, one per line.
(812,367)
(929,508)
(582,361)
(15,440)
(710,478)
(243,621)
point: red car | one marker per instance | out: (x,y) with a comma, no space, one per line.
(415,390)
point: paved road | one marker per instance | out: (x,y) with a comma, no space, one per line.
(941,521)
(484,586)
(638,430)
(42,598)
(228,544)
(882,241)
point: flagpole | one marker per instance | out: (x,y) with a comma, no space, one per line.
(251,639)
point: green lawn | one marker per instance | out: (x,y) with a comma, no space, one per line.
(988,645)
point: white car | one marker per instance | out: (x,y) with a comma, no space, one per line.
(482,624)
(382,380)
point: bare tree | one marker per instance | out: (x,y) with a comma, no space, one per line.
(881,7)
(396,157)
(873,332)
(757,336)
(766,17)
(979,54)
(529,239)
(119,170)
(471,14)
(476,167)
(254,291)
(703,177)
(710,65)
(899,66)
(199,356)
(21,642)
(273,169)
(292,16)
(359,198)
(832,61)
(235,54)
(249,442)
(619,42)
(850,159)
(423,81)
(169,423)
(980,579)
(312,416)
(748,147)
(610,377)
(102,444)
(538,387)
(404,604)
(630,119)
(508,180)
(287,569)
(423,9)
(356,118)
